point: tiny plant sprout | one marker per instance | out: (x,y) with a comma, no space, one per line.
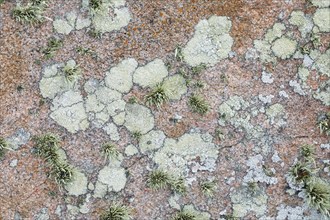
(3,147)
(116,212)
(196,70)
(110,151)
(132,100)
(178,54)
(71,73)
(198,104)
(323,122)
(158,179)
(253,187)
(157,96)
(208,188)
(137,135)
(95,5)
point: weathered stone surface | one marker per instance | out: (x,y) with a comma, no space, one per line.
(19,138)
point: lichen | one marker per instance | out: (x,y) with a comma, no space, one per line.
(210,43)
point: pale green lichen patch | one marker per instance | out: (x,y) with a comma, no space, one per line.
(67,106)
(198,214)
(284,47)
(105,23)
(54,82)
(175,155)
(256,171)
(79,184)
(229,112)
(70,23)
(151,141)
(304,23)
(211,42)
(151,74)
(175,86)
(112,15)
(322,63)
(120,77)
(275,32)
(103,100)
(73,118)
(111,178)
(138,118)
(276,114)
(321,18)
(321,3)
(62,26)
(244,203)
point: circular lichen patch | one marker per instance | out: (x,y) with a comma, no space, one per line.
(284,47)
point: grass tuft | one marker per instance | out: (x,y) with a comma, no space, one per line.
(116,212)
(52,46)
(47,146)
(318,195)
(177,185)
(158,179)
(301,172)
(110,151)
(184,215)
(208,188)
(62,173)
(198,104)
(29,14)
(157,97)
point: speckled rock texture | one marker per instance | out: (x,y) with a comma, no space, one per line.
(86,72)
